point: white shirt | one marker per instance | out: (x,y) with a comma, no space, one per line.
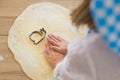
(89,59)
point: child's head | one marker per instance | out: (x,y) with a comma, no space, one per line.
(106,15)
(81,15)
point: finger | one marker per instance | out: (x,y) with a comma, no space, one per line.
(52,42)
(46,46)
(49,45)
(45,52)
(46,49)
(53,37)
(60,38)
(55,48)
(57,38)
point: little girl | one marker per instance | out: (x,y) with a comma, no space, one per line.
(95,57)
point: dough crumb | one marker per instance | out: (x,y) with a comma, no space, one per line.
(1,58)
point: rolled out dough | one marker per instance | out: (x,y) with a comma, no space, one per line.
(56,20)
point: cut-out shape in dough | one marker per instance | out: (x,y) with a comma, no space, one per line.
(56,20)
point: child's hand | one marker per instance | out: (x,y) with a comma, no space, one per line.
(58,43)
(52,56)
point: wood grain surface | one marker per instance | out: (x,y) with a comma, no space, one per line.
(9,10)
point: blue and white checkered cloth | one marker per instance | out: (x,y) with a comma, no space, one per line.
(106,15)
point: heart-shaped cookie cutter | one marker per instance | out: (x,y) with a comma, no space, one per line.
(42,32)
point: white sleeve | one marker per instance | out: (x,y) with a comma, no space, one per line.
(77,64)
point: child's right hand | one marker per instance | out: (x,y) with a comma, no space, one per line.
(58,43)
(52,56)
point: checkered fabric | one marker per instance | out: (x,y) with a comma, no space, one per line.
(106,15)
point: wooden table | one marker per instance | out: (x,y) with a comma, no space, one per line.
(9,10)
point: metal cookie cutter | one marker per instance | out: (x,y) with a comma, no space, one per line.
(42,33)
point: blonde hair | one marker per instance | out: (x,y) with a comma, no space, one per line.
(81,15)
